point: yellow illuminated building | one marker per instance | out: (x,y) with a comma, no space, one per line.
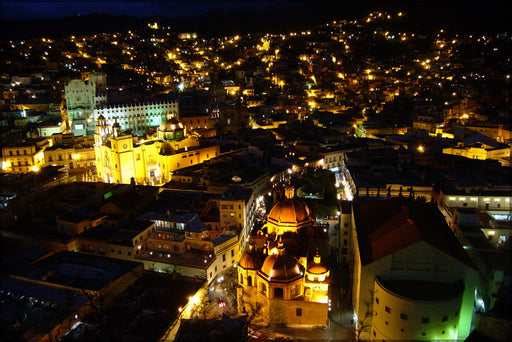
(276,283)
(480,151)
(24,156)
(121,157)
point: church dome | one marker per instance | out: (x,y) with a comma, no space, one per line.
(171,130)
(282,267)
(289,211)
(170,125)
(251,260)
(315,267)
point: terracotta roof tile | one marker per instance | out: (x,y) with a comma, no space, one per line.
(389,225)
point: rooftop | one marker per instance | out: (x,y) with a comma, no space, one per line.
(389,225)
(423,290)
(78,270)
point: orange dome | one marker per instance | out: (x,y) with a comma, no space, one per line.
(251,260)
(289,211)
(282,267)
(315,268)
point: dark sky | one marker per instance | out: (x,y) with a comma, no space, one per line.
(171,8)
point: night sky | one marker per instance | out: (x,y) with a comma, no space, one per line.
(172,8)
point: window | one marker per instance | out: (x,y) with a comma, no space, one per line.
(129,253)
(456,312)
(403,316)
(388,309)
(374,334)
(264,288)
(298,312)
(445,318)
(377,300)
(232,253)
(425,320)
(118,251)
(345,225)
(223,257)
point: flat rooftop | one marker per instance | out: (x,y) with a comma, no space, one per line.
(78,270)
(144,311)
(423,290)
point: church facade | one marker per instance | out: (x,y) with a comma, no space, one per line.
(122,158)
(282,278)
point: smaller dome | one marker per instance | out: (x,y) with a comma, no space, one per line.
(316,268)
(251,260)
(282,267)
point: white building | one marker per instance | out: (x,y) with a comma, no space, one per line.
(137,117)
(81,99)
(412,279)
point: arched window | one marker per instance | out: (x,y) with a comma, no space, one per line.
(241,278)
(249,280)
(278,292)
(263,288)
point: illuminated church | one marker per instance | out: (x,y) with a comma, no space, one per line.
(283,278)
(122,158)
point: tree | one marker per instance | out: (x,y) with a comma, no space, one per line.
(252,309)
(364,323)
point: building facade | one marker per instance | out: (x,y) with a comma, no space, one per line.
(24,156)
(138,117)
(81,99)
